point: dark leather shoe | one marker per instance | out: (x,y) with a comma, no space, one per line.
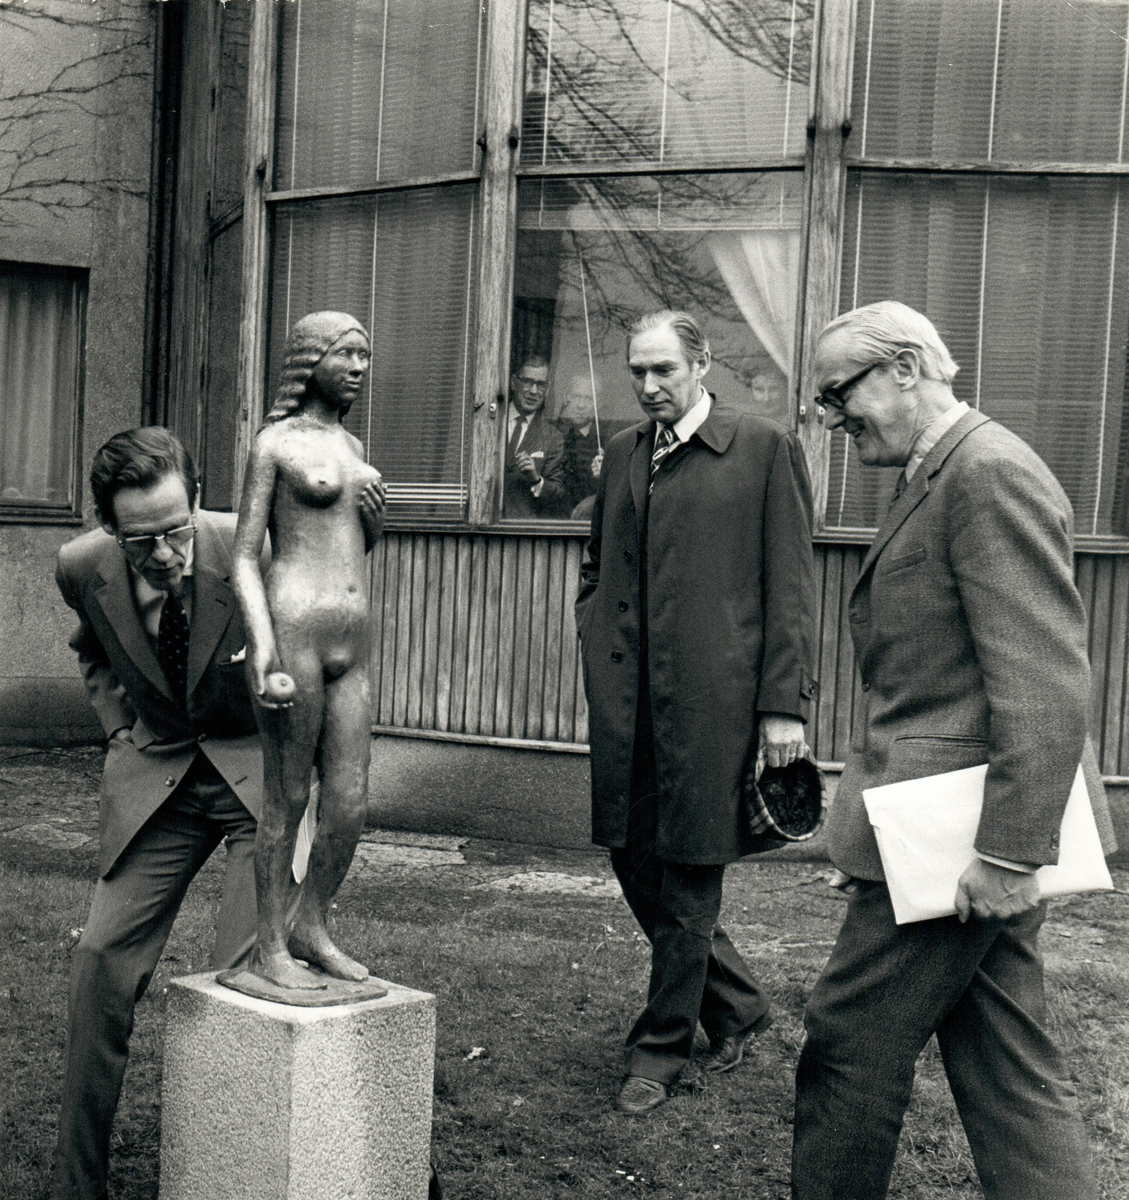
(639,1095)
(728,1053)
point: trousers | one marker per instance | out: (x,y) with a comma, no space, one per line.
(130,919)
(885,991)
(696,972)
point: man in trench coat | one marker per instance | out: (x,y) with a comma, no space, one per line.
(696,619)
(970,638)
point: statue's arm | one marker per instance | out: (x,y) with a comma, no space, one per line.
(247,577)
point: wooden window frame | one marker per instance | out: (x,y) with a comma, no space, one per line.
(825,166)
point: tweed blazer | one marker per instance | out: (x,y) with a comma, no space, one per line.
(705,590)
(128,688)
(970,639)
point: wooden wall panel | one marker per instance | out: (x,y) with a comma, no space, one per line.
(474,634)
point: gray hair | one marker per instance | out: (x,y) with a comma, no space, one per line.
(880,331)
(695,345)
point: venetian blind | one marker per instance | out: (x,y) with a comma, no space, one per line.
(401,263)
(691,82)
(376,90)
(1024,275)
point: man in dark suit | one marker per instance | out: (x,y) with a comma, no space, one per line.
(970,638)
(696,619)
(533,482)
(160,643)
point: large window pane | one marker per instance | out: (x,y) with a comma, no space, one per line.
(376,90)
(594,254)
(1003,80)
(685,82)
(41,331)
(1026,279)
(401,263)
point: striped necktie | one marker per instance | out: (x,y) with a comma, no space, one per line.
(665,441)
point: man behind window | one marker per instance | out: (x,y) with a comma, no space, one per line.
(970,638)
(696,620)
(533,485)
(160,643)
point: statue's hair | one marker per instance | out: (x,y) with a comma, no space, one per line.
(306,346)
(880,331)
(695,345)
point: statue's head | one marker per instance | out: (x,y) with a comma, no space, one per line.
(306,346)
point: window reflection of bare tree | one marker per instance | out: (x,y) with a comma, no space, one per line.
(590,99)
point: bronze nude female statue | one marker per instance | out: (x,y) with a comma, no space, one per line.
(308,631)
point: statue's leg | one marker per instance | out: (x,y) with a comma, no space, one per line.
(343,773)
(289,738)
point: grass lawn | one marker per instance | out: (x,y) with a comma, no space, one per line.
(536,992)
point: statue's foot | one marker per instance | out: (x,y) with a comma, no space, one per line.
(315,947)
(281,969)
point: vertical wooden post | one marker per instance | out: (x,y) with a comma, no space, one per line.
(826,174)
(258,176)
(505,33)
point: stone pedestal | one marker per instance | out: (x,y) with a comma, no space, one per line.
(263,1101)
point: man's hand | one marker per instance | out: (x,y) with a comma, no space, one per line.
(528,468)
(781,739)
(988,891)
(597,463)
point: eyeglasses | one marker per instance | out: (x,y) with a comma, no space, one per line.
(530,384)
(836,397)
(143,544)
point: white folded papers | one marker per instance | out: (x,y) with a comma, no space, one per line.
(926,832)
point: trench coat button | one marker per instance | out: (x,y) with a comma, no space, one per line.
(622,606)
(170,781)
(627,556)
(617,656)
(866,687)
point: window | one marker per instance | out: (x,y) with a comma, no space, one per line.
(627,107)
(42,314)
(486,184)
(984,189)
(374,213)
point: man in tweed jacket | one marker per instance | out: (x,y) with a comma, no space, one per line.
(970,639)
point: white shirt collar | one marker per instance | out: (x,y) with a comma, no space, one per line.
(932,434)
(690,421)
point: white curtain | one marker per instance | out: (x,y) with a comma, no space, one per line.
(761,268)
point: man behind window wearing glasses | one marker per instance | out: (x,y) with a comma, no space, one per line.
(534,483)
(696,619)
(971,642)
(160,643)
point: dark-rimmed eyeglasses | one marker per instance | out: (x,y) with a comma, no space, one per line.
(142,545)
(836,396)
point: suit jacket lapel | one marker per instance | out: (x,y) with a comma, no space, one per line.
(213,603)
(918,487)
(114,592)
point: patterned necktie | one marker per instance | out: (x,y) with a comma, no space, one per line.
(172,645)
(665,441)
